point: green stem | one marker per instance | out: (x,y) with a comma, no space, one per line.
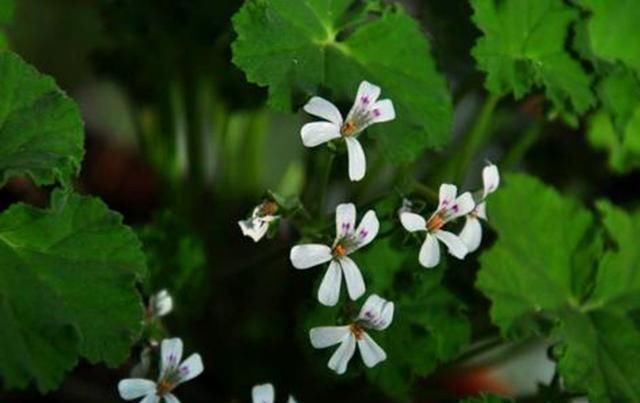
(520,148)
(425,191)
(324,185)
(477,137)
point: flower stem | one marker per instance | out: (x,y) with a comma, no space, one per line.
(324,184)
(425,191)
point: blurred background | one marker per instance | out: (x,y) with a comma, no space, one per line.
(182,146)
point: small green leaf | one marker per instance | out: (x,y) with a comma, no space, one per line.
(547,273)
(523,47)
(310,47)
(67,288)
(41,133)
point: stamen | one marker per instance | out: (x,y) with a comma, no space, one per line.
(339,250)
(357,331)
(164,386)
(348,128)
(435,222)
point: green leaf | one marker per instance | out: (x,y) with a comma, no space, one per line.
(609,27)
(548,274)
(41,133)
(428,318)
(523,47)
(67,288)
(310,47)
(7,8)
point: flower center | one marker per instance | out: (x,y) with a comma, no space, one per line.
(164,386)
(269,208)
(435,222)
(339,250)
(348,128)
(357,330)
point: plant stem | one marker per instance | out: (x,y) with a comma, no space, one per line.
(324,184)
(425,191)
(520,148)
(477,136)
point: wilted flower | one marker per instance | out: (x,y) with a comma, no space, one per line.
(377,314)
(266,394)
(348,240)
(366,110)
(262,216)
(172,374)
(471,233)
(449,208)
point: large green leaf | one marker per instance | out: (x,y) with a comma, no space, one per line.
(610,27)
(523,47)
(41,133)
(542,275)
(67,288)
(309,47)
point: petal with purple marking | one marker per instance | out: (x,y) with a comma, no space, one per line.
(345,219)
(382,111)
(367,230)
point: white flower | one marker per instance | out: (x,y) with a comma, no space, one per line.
(348,240)
(266,394)
(449,208)
(377,314)
(471,233)
(365,111)
(257,225)
(160,304)
(172,374)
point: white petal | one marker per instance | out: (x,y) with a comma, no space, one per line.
(455,245)
(152,398)
(329,291)
(322,108)
(368,229)
(367,95)
(345,218)
(263,393)
(357,160)
(382,111)
(481,210)
(292,400)
(134,388)
(254,228)
(352,277)
(376,312)
(464,204)
(309,255)
(170,398)
(370,351)
(490,179)
(190,368)
(429,252)
(327,336)
(342,355)
(171,353)
(447,195)
(316,133)
(161,303)
(471,233)
(413,222)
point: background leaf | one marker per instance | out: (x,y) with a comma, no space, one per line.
(316,47)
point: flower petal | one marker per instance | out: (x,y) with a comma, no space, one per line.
(170,398)
(190,368)
(447,195)
(357,160)
(316,133)
(382,111)
(464,204)
(345,218)
(376,312)
(471,233)
(490,179)
(455,245)
(171,354)
(429,252)
(367,95)
(342,355)
(255,229)
(327,336)
(134,388)
(352,277)
(481,210)
(413,222)
(161,303)
(309,255)
(367,230)
(263,393)
(370,351)
(152,398)
(329,291)
(322,108)
(292,400)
